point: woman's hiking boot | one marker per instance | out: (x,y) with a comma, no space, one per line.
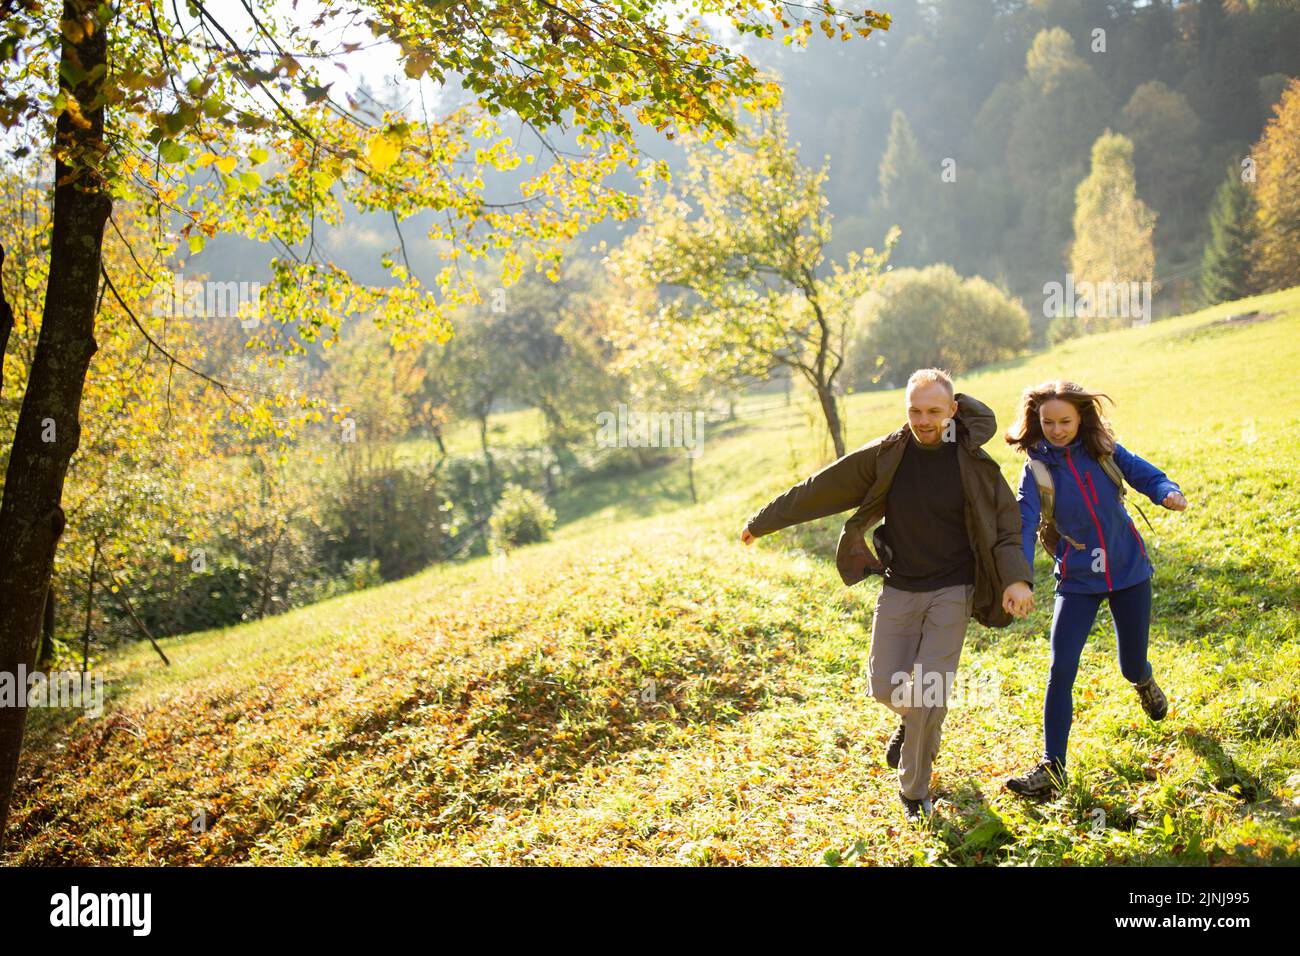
(895,746)
(1153,698)
(1047,779)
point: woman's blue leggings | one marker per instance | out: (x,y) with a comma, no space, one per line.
(1072,619)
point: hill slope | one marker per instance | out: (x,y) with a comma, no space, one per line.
(644,689)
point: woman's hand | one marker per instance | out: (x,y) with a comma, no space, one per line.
(1175,501)
(1018,599)
(745,536)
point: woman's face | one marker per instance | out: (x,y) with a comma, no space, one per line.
(1059,421)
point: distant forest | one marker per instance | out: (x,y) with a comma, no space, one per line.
(986,90)
(1192,84)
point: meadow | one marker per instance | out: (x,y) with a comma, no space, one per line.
(644,689)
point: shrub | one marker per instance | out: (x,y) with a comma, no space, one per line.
(520,517)
(1063,327)
(388,511)
(933,317)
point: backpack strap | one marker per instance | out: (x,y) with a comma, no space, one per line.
(1047,504)
(1111,467)
(1046,490)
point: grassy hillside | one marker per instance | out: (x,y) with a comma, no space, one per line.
(645,689)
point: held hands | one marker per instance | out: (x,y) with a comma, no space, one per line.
(1175,501)
(1017,599)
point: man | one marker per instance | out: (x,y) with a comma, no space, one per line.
(951,550)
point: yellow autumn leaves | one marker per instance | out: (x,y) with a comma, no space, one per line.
(383,148)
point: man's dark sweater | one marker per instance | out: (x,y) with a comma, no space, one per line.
(925,521)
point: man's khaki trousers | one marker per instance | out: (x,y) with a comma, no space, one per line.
(916,641)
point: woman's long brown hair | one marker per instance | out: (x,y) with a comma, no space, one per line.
(1093,427)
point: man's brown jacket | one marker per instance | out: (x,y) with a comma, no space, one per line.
(861,480)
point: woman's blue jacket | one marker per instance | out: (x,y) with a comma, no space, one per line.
(1088,509)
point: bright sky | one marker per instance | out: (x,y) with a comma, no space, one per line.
(377,60)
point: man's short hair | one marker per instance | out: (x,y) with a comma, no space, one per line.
(928,376)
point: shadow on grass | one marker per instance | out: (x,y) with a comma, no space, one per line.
(1210,598)
(974,833)
(47,726)
(1228,776)
(636,494)
(661,487)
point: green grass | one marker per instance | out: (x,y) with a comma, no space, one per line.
(518,427)
(502,711)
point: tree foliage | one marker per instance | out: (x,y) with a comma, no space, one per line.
(933,318)
(740,246)
(1277,194)
(1226,262)
(1112,227)
(164,111)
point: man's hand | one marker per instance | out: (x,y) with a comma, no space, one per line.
(1017,599)
(745,536)
(1175,501)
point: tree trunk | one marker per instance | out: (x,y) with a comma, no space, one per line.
(46,654)
(48,429)
(267,573)
(487,455)
(135,618)
(831,410)
(370,504)
(6,320)
(90,608)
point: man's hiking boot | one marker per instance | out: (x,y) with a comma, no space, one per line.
(1045,780)
(895,746)
(1153,698)
(916,810)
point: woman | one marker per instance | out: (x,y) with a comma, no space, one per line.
(1099,556)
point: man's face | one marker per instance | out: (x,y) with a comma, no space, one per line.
(928,407)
